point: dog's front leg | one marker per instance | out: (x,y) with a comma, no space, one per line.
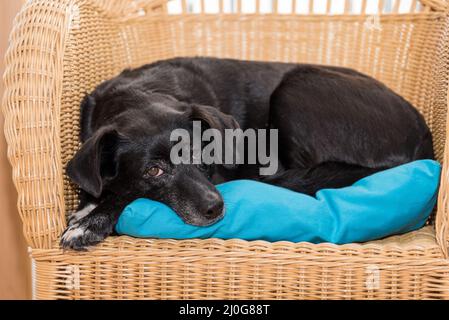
(95,226)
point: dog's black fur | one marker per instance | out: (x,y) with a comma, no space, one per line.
(335,125)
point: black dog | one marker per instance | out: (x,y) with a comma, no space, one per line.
(335,125)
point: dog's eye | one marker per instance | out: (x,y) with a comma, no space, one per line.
(153,172)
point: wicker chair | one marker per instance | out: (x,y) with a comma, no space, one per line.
(61,49)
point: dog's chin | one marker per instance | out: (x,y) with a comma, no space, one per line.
(202,222)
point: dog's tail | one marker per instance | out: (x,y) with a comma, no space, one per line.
(323,176)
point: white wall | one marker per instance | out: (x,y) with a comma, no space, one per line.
(284,6)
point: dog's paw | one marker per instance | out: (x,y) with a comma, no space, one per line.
(87,231)
(78,215)
(79,236)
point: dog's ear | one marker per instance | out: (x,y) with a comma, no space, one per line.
(214,118)
(95,163)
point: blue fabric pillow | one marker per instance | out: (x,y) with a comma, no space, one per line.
(390,202)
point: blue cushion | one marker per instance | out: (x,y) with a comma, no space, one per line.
(393,201)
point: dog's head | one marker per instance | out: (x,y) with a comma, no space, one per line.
(128,153)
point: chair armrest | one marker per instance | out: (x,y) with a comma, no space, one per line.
(442,216)
(31,105)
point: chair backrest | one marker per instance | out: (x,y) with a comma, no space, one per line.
(79,43)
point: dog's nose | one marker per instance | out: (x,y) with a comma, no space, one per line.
(214,209)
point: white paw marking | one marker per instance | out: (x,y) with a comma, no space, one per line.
(76,216)
(73,232)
